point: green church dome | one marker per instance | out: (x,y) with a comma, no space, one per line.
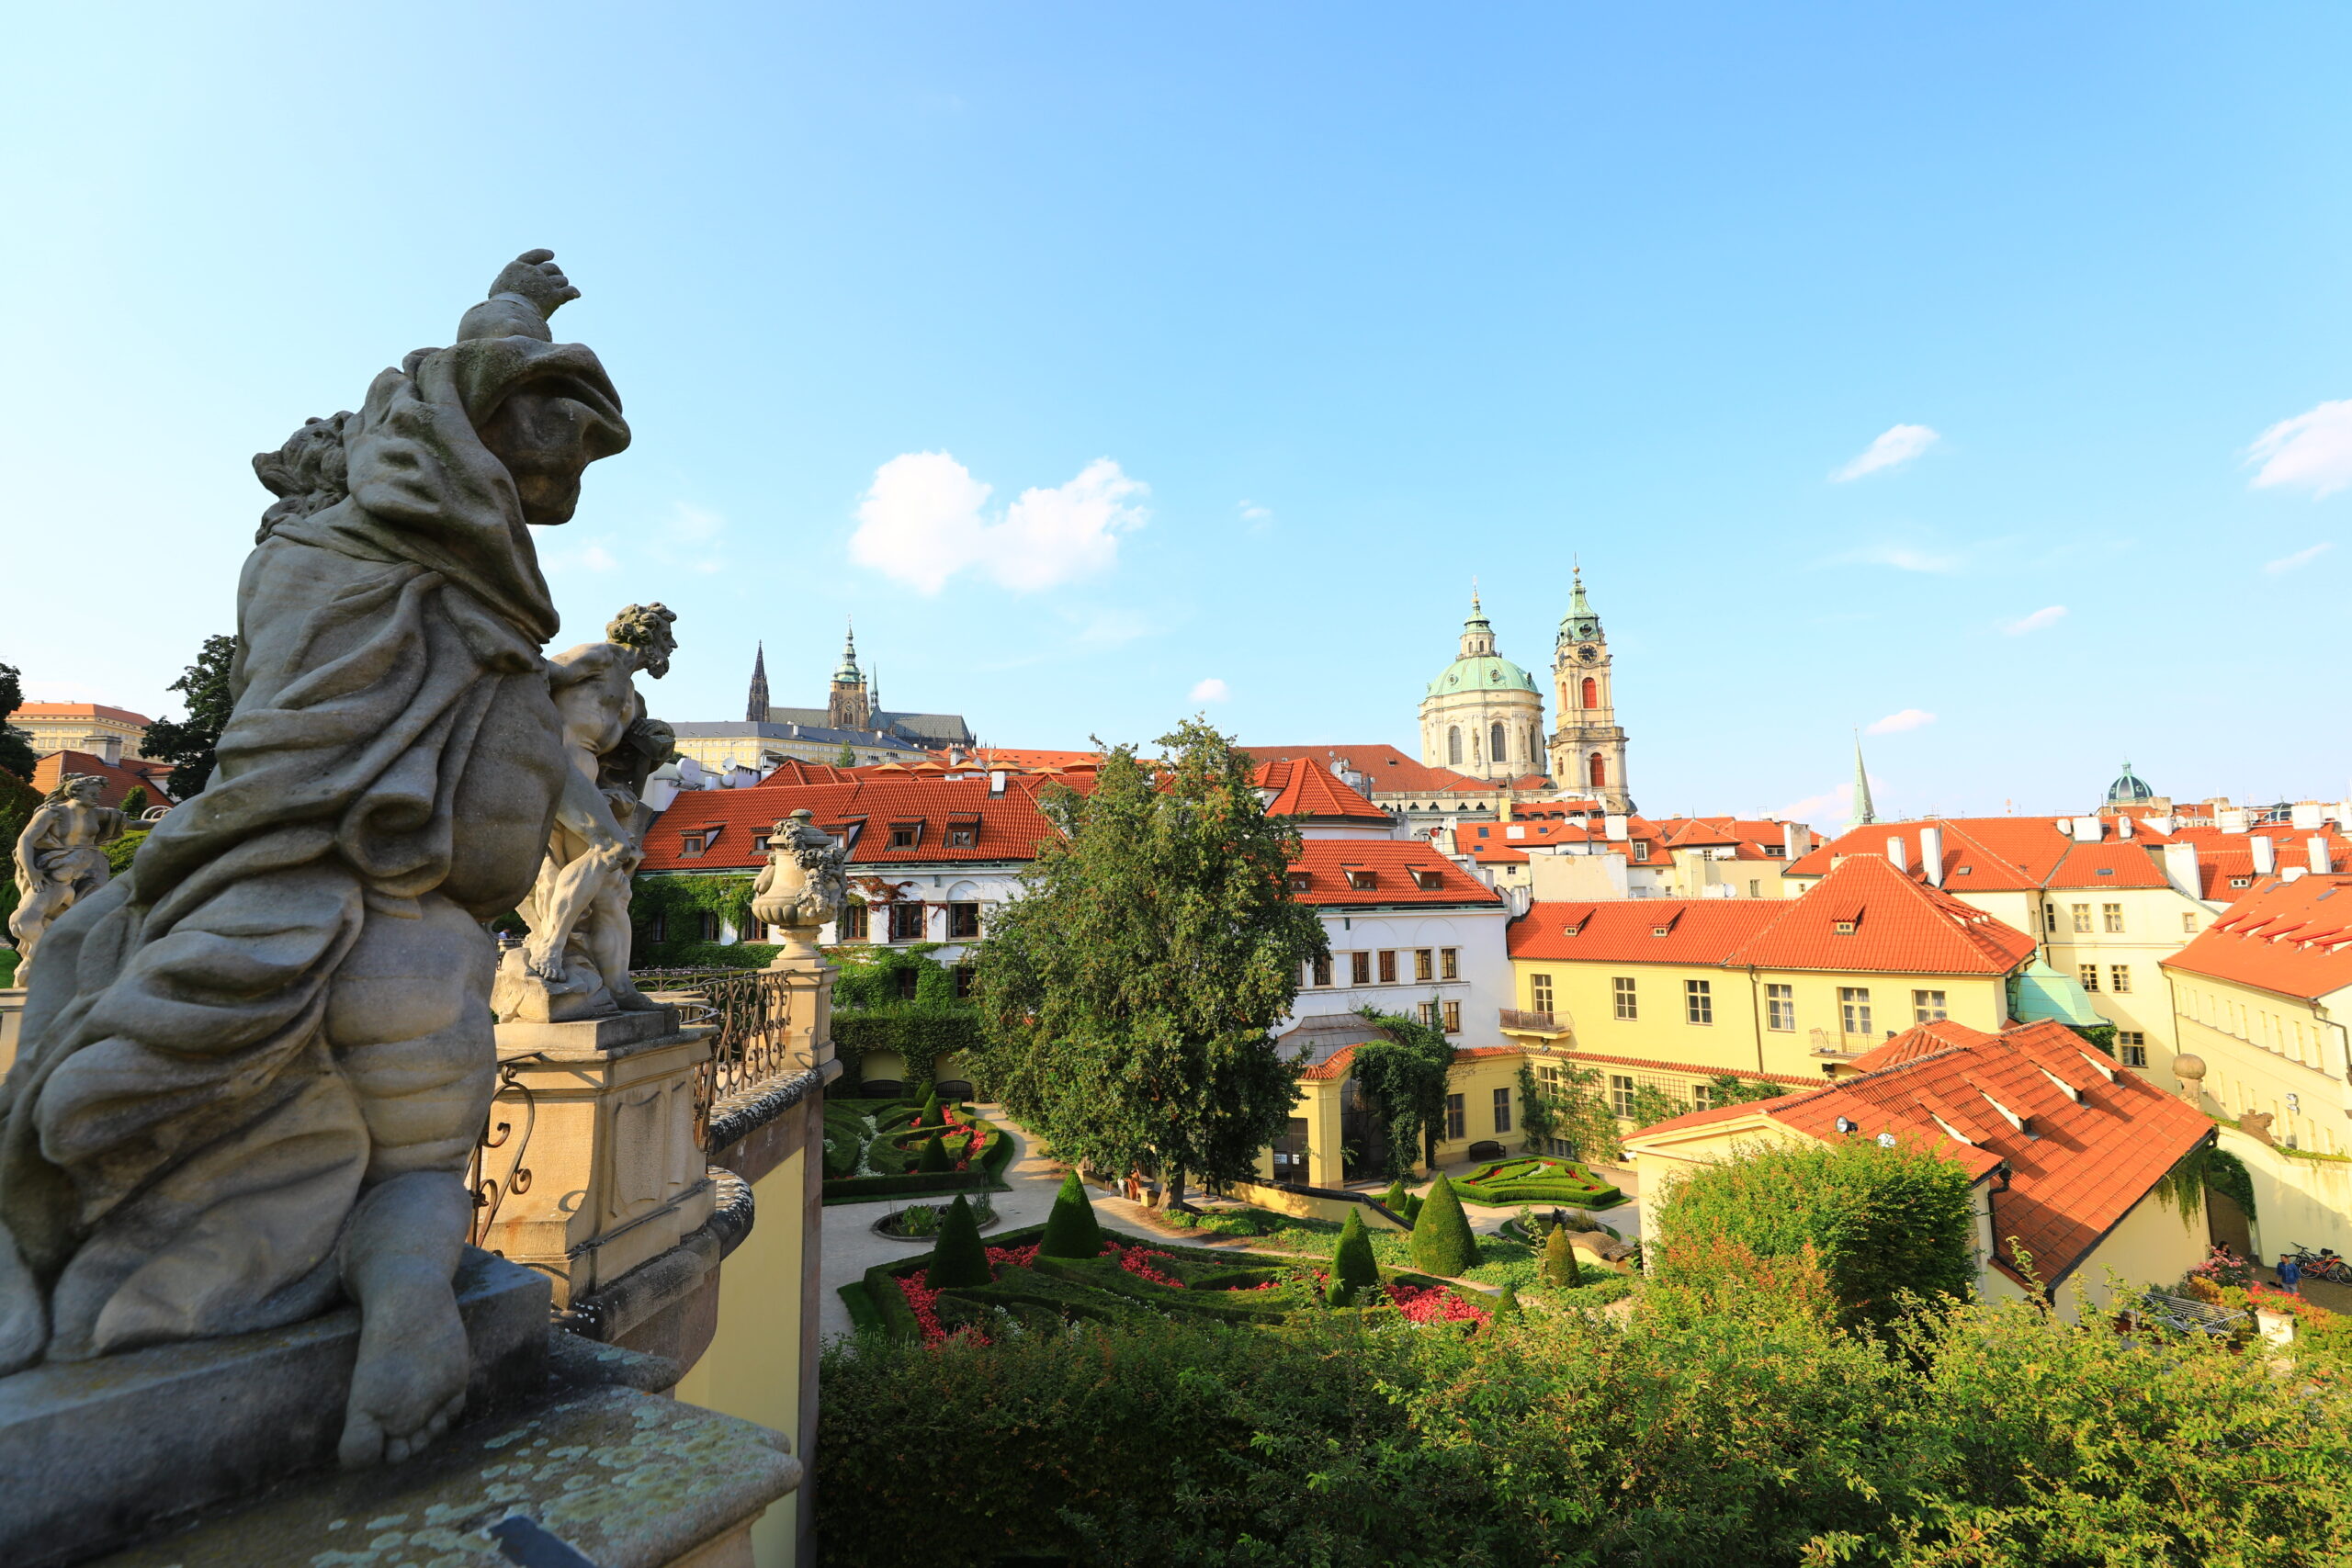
(1486,671)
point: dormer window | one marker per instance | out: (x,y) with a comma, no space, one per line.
(1428,881)
(2240,881)
(905,835)
(1303,882)
(1660,930)
(1641,848)
(1845,927)
(692,844)
(961,837)
(1361,880)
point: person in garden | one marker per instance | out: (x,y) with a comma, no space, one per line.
(2291,1275)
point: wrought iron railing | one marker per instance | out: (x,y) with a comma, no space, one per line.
(753,1011)
(497,1133)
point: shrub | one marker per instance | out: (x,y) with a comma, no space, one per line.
(1875,1221)
(1441,1240)
(1507,1305)
(935,1156)
(1561,1270)
(1395,1197)
(1071,1229)
(1355,1274)
(959,1258)
(929,1116)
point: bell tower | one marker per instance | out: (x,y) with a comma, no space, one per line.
(848,707)
(1589,748)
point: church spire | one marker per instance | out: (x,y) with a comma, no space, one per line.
(848,671)
(851,703)
(1864,813)
(756,708)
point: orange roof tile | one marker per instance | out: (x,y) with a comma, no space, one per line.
(1392,865)
(118,779)
(1626,930)
(1392,771)
(1900,926)
(2280,936)
(1919,1040)
(1007,827)
(1305,790)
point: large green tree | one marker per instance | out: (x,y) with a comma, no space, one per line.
(16,747)
(186,743)
(1405,1075)
(1127,997)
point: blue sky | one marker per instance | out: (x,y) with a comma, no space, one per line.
(1293,317)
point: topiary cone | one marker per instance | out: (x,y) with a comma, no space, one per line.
(934,1156)
(1507,1305)
(959,1258)
(929,1115)
(1393,1200)
(1071,1229)
(1441,1240)
(1355,1270)
(1561,1270)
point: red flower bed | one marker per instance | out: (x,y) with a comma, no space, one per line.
(1019,1256)
(923,1302)
(1435,1304)
(1135,1260)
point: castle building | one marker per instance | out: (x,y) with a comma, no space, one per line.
(1483,715)
(1587,752)
(851,720)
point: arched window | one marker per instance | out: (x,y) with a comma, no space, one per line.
(1534,744)
(1497,750)
(1600,771)
(1591,693)
(1454,744)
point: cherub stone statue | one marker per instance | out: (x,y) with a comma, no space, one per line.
(575,964)
(803,883)
(61,860)
(252,1069)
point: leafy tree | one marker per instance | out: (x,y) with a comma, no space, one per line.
(933,1157)
(1127,996)
(1441,1240)
(1725,1089)
(959,1258)
(187,743)
(1577,1111)
(848,758)
(1404,1076)
(1876,1222)
(1354,1271)
(16,747)
(1538,1118)
(1071,1229)
(135,802)
(1561,1270)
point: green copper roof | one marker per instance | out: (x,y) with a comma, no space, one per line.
(2038,992)
(1486,671)
(848,674)
(2131,787)
(1579,625)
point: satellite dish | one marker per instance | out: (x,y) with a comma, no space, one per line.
(1886,1140)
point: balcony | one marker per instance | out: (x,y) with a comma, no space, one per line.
(1516,1020)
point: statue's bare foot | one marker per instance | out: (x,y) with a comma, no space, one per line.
(409,1383)
(543,958)
(629,999)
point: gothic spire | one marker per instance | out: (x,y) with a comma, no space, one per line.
(756,708)
(1864,813)
(848,671)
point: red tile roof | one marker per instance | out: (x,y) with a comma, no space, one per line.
(1337,1065)
(81,710)
(1305,790)
(1392,771)
(2293,938)
(1392,865)
(2089,1152)
(1008,826)
(1492,842)
(1626,931)
(120,780)
(1919,1040)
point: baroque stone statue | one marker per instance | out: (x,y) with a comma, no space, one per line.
(61,860)
(575,964)
(803,885)
(252,1069)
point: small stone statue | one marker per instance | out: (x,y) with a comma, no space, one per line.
(61,860)
(252,1068)
(575,962)
(803,885)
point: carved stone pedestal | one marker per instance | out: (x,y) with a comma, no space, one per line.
(600,1170)
(12,1017)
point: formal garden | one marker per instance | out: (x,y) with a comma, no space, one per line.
(1507,1183)
(889,1148)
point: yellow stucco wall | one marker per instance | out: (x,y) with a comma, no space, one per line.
(2152,1245)
(2297,1201)
(752,1367)
(2260,1048)
(1737,1039)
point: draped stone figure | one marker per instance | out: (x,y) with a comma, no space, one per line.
(61,860)
(576,962)
(253,1067)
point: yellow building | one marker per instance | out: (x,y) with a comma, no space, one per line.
(108,733)
(1789,987)
(2067,1152)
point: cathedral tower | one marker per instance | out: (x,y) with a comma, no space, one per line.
(1483,715)
(756,709)
(849,707)
(1589,748)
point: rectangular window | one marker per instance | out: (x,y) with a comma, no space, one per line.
(2082,917)
(689,845)
(1698,1002)
(1755,888)
(2111,917)
(659,930)
(2089,974)
(1360,968)
(963,973)
(2119,977)
(709,923)
(2050,917)
(1539,993)
(1424,963)
(910,982)
(1388,967)
(904,834)
(1448,964)
(1620,1096)
(1290,1152)
(1626,1005)
(959,837)
(1426,1012)
(963,921)
(1457,1117)
(1454,1018)
(1502,1111)
(1854,1009)
(1641,849)
(1780,1006)
(853,921)
(1322,969)
(1926,1006)
(906,922)
(2188,923)
(2134,1045)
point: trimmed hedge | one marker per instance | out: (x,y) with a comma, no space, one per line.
(1071,1229)
(1534,1179)
(1353,1269)
(921,1034)
(1441,1240)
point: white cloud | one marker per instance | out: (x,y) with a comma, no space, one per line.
(1257,516)
(1902,558)
(2311,451)
(1896,445)
(1210,690)
(1830,806)
(2048,616)
(2301,557)
(1896,723)
(590,554)
(694,524)
(922,522)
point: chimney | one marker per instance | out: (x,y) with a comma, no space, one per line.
(2317,848)
(2305,817)
(2086,829)
(2232,818)
(996,781)
(1931,855)
(1614,826)
(1897,853)
(2180,869)
(1796,841)
(2123,827)
(2266,855)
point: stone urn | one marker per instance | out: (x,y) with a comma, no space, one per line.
(801,887)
